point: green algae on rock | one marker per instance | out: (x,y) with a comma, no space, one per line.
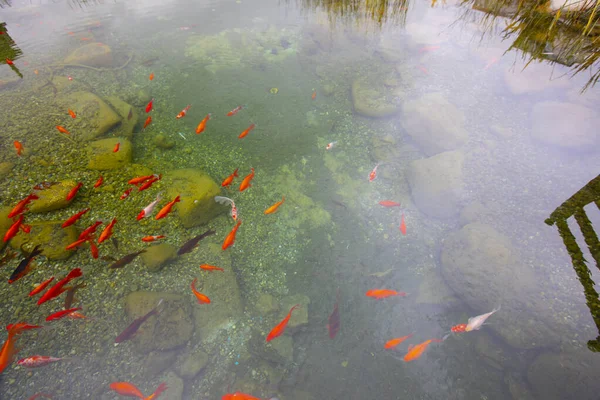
(52,238)
(157,256)
(94,116)
(93,55)
(123,109)
(102,156)
(52,198)
(197,191)
(371,98)
(5,168)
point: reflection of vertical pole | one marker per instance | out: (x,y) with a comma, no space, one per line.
(583,273)
(590,237)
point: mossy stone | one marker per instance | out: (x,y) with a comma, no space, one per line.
(157,256)
(94,55)
(5,168)
(372,100)
(5,223)
(197,191)
(50,236)
(52,198)
(123,109)
(102,155)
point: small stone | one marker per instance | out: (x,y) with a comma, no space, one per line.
(266,304)
(162,142)
(159,255)
(5,168)
(157,362)
(102,156)
(174,387)
(52,198)
(191,364)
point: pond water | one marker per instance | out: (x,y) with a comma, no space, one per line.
(414,155)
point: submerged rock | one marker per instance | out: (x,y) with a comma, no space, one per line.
(175,387)
(123,109)
(5,168)
(158,361)
(93,55)
(191,364)
(437,184)
(372,99)
(94,116)
(435,124)
(299,315)
(566,125)
(197,191)
(157,256)
(50,236)
(52,198)
(485,271)
(101,154)
(171,328)
(5,223)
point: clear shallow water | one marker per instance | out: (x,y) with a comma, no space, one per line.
(476,237)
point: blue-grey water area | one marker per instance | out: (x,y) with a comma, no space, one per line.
(488,160)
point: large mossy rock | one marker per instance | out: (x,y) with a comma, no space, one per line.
(437,184)
(5,223)
(52,238)
(566,125)
(102,156)
(485,271)
(94,116)
(434,123)
(373,99)
(159,255)
(197,192)
(123,109)
(93,55)
(170,329)
(52,198)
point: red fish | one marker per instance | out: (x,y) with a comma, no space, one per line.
(58,288)
(373,174)
(14,229)
(167,209)
(383,293)
(202,125)
(202,298)
(126,389)
(227,181)
(333,325)
(18,147)
(72,114)
(140,179)
(389,203)
(247,131)
(238,396)
(40,287)
(207,267)
(61,314)
(148,239)
(74,218)
(93,249)
(37,361)
(90,230)
(9,61)
(183,112)
(126,194)
(117,146)
(148,121)
(149,183)
(77,243)
(280,327)
(107,232)
(99,182)
(390,344)
(74,191)
(21,206)
(39,395)
(159,390)
(234,111)
(149,106)
(459,328)
(246,182)
(230,239)
(62,129)
(403,225)
(22,326)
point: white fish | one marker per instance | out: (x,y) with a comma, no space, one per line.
(149,208)
(330,145)
(475,323)
(225,200)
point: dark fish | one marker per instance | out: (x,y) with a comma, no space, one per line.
(193,242)
(339,203)
(7,257)
(130,115)
(149,61)
(23,267)
(334,318)
(71,294)
(44,185)
(135,325)
(120,263)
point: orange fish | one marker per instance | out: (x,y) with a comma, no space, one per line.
(74,191)
(22,205)
(389,203)
(14,229)
(390,344)
(403,225)
(459,328)
(35,71)
(183,112)
(202,298)
(373,174)
(148,121)
(275,206)
(383,293)
(117,146)
(416,351)
(40,287)
(234,111)
(207,267)
(230,239)
(8,351)
(107,232)
(126,389)
(161,388)
(61,129)
(151,77)
(61,314)
(140,179)
(72,114)
(280,327)
(247,131)
(202,124)
(74,218)
(77,243)
(99,182)
(314,94)
(9,61)
(227,181)
(18,147)
(246,182)
(238,396)
(148,239)
(167,209)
